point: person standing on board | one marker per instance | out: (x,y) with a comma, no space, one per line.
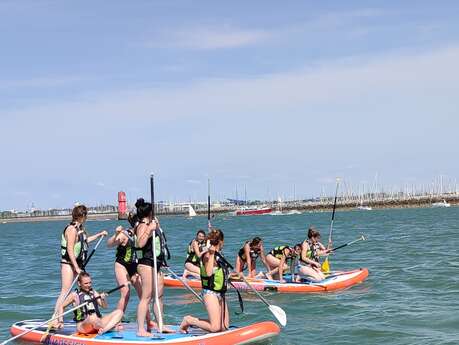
(126,263)
(148,232)
(247,256)
(74,252)
(311,249)
(193,260)
(277,260)
(88,318)
(214,280)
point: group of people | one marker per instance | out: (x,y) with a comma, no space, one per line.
(143,246)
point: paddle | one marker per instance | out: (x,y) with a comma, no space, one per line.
(185,284)
(61,315)
(326,264)
(361,238)
(155,264)
(278,312)
(208,204)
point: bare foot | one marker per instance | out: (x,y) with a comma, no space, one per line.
(144,333)
(119,327)
(167,330)
(268,276)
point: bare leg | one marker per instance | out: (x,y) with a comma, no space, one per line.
(67,277)
(310,273)
(136,281)
(122,277)
(109,321)
(160,298)
(213,306)
(193,270)
(145,298)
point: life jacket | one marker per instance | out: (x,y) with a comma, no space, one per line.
(191,255)
(80,249)
(161,248)
(313,250)
(253,253)
(278,252)
(218,281)
(127,253)
(92,307)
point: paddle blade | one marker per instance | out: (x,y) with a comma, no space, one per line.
(326,266)
(279,314)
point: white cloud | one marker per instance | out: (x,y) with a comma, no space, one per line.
(343,91)
(209,38)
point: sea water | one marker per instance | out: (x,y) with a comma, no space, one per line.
(410,297)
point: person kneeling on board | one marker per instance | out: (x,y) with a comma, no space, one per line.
(193,259)
(278,260)
(247,256)
(214,280)
(88,318)
(311,249)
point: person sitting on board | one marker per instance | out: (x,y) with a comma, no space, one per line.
(193,260)
(88,318)
(214,280)
(74,252)
(247,257)
(126,263)
(148,232)
(311,249)
(278,259)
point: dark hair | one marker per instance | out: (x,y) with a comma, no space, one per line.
(144,209)
(133,219)
(83,275)
(298,245)
(201,232)
(255,241)
(313,232)
(215,236)
(79,212)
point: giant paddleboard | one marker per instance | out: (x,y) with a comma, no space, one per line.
(333,282)
(68,336)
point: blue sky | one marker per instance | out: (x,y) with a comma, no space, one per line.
(94,97)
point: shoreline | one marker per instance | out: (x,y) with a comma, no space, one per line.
(308,207)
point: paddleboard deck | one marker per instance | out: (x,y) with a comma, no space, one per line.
(68,336)
(333,282)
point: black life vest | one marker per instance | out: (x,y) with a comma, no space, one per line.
(161,248)
(127,253)
(253,253)
(80,248)
(191,255)
(92,307)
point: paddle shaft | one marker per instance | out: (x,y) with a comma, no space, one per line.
(333,213)
(185,284)
(348,244)
(59,316)
(208,203)
(255,290)
(155,263)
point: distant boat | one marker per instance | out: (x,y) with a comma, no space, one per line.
(364,207)
(441,204)
(191,211)
(252,211)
